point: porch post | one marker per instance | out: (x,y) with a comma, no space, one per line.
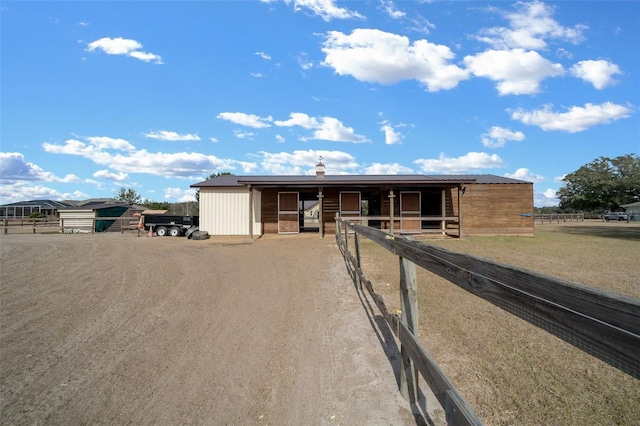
(443,210)
(461,191)
(391,209)
(321,212)
(250,212)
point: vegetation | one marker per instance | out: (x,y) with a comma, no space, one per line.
(37,215)
(128,195)
(604,184)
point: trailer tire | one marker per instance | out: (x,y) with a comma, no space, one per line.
(161,231)
(175,231)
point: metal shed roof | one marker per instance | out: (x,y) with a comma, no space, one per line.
(334,180)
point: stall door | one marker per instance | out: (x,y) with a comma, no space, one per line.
(288,216)
(350,204)
(410,207)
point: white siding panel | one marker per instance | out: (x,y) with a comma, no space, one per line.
(77,218)
(224,211)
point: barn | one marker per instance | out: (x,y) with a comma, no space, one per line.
(455,205)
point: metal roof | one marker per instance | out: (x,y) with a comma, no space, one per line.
(369,180)
(46,204)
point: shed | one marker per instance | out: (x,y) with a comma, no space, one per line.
(87,216)
(633,210)
(448,204)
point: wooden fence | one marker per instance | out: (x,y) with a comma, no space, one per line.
(35,226)
(602,324)
(558,217)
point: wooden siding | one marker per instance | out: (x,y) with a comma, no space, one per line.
(77,218)
(496,209)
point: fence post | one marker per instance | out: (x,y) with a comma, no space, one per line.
(5,223)
(356,243)
(409,306)
(34,226)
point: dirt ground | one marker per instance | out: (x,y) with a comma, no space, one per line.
(118,329)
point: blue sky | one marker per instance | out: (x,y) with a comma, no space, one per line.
(156,96)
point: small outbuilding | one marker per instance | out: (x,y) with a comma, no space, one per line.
(88,216)
(455,205)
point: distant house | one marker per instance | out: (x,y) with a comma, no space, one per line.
(22,209)
(633,210)
(87,216)
(448,204)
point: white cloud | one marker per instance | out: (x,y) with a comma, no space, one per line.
(15,169)
(22,191)
(165,135)
(517,71)
(179,164)
(576,119)
(472,161)
(529,26)
(180,195)
(390,9)
(248,120)
(546,198)
(499,136)
(387,169)
(379,57)
(280,139)
(326,9)
(106,174)
(123,46)
(105,142)
(599,73)
(298,119)
(325,128)
(525,174)
(303,162)
(264,56)
(391,136)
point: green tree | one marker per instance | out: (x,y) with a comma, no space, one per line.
(156,205)
(128,195)
(211,176)
(603,184)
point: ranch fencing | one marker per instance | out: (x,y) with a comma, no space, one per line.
(600,323)
(41,225)
(558,217)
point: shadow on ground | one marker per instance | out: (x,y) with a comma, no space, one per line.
(622,231)
(388,343)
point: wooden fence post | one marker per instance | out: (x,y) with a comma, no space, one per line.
(5,223)
(409,306)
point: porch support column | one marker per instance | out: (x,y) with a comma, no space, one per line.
(250,213)
(443,210)
(321,212)
(391,209)
(461,191)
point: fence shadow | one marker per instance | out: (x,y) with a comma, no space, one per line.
(390,347)
(620,231)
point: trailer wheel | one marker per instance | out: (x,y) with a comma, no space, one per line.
(175,231)
(161,231)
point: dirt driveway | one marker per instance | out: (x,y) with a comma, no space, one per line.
(115,329)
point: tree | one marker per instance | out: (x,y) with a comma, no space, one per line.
(156,205)
(128,195)
(211,176)
(603,184)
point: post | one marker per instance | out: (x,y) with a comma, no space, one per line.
(250,213)
(356,243)
(409,306)
(460,194)
(321,211)
(5,223)
(391,210)
(34,226)
(443,211)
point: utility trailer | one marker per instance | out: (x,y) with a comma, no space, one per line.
(173,225)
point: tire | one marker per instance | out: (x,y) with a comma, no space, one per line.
(606,219)
(175,231)
(161,231)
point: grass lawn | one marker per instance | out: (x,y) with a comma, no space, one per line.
(509,371)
